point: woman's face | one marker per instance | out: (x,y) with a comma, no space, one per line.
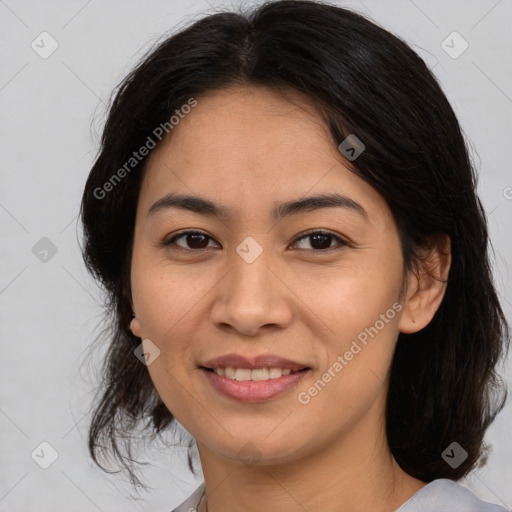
(255,285)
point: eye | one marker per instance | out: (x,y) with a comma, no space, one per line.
(320,241)
(194,239)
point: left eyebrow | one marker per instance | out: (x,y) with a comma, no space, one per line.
(207,207)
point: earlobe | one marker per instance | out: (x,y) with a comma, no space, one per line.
(427,286)
(135,327)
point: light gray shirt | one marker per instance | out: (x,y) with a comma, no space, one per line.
(440,495)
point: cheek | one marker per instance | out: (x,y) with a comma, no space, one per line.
(170,305)
(355,379)
(354,299)
(164,295)
(362,311)
(163,308)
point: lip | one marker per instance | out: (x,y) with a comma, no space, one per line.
(253,391)
(260,361)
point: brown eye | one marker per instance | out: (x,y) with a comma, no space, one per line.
(193,240)
(321,240)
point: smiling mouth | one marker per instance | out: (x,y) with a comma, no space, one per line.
(253,374)
(253,384)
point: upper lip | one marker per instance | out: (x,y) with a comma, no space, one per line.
(260,361)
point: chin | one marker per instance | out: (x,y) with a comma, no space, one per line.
(261,451)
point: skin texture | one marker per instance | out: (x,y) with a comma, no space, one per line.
(249,148)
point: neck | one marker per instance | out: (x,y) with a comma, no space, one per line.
(356,473)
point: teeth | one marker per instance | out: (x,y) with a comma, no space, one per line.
(229,372)
(259,374)
(243,374)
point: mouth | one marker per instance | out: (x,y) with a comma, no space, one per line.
(251,385)
(253,378)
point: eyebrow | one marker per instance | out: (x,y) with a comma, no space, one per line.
(207,207)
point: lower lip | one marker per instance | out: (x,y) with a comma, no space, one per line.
(253,391)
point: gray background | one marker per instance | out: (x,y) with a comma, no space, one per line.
(52,112)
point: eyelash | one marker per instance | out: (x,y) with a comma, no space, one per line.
(342,243)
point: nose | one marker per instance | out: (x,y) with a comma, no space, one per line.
(252,297)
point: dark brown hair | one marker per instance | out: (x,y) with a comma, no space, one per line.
(364,81)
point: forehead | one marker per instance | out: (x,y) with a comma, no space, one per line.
(252,146)
(250,125)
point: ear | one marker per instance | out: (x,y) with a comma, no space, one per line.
(135,327)
(134,323)
(426,286)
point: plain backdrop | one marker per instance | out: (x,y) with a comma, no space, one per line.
(52,111)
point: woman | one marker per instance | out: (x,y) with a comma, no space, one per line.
(284,217)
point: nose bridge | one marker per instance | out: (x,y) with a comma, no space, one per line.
(251,277)
(251,295)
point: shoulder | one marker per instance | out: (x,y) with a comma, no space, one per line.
(445,495)
(438,496)
(192,502)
